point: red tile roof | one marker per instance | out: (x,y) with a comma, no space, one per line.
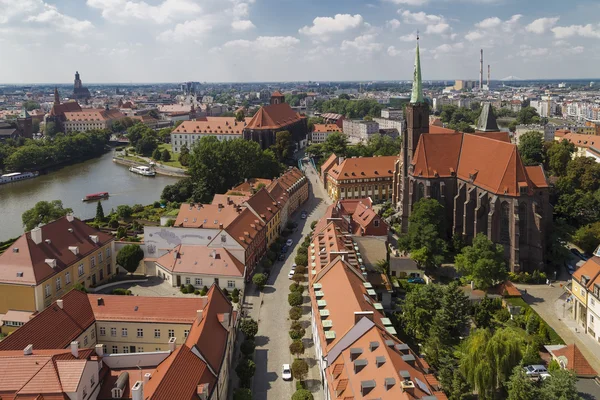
(209,216)
(576,361)
(537,176)
(501,136)
(365,168)
(213,126)
(264,205)
(274,116)
(30,259)
(245,227)
(324,128)
(71,321)
(437,155)
(196,259)
(333,159)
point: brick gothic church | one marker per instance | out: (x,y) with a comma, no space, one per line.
(479,178)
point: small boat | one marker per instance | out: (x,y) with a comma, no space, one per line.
(17,176)
(143,170)
(96,196)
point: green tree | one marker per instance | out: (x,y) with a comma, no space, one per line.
(245,371)
(179,192)
(301,259)
(44,212)
(302,394)
(146,145)
(488,360)
(50,129)
(336,143)
(426,228)
(483,313)
(520,386)
(165,156)
(588,237)
(99,212)
(295,312)
(558,156)
(297,348)
(156,154)
(260,280)
(284,145)
(295,299)
(560,386)
(31,105)
(242,394)
(249,327)
(136,132)
(418,309)
(184,155)
(531,148)
(247,347)
(124,211)
(453,317)
(482,263)
(129,257)
(299,369)
(528,116)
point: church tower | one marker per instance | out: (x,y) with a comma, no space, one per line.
(78,83)
(417,123)
(56,97)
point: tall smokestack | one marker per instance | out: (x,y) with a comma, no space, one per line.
(489,73)
(481,71)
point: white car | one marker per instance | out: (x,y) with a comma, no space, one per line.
(294,266)
(291,274)
(286,373)
(289,243)
(535,370)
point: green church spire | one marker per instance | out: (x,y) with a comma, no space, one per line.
(417,88)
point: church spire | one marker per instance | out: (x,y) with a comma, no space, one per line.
(56,96)
(417,88)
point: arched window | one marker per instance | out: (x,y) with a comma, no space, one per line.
(522,223)
(504,223)
(420,191)
(435,191)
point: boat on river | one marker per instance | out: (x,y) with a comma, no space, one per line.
(17,176)
(143,170)
(96,196)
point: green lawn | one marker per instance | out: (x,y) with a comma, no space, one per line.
(136,159)
(518,301)
(174,157)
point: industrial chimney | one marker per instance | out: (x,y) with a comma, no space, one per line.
(489,73)
(481,71)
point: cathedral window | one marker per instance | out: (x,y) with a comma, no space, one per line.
(505,223)
(420,191)
(523,223)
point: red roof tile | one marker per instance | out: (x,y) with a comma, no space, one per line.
(575,360)
(274,116)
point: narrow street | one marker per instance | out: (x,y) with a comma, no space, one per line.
(271,309)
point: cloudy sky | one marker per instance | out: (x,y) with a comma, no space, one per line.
(288,40)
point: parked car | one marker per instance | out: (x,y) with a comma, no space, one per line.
(282,257)
(577,253)
(294,266)
(303,215)
(416,280)
(535,370)
(284,249)
(286,373)
(289,243)
(570,268)
(291,274)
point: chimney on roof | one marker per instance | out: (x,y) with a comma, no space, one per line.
(27,351)
(100,301)
(70,217)
(202,391)
(75,349)
(220,226)
(199,315)
(137,391)
(213,254)
(172,344)
(147,376)
(36,235)
(59,303)
(99,350)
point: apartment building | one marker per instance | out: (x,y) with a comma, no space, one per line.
(281,196)
(295,183)
(585,288)
(582,143)
(223,128)
(88,119)
(321,132)
(359,131)
(179,348)
(45,263)
(268,210)
(201,266)
(362,177)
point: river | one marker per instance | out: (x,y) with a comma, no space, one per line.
(70,184)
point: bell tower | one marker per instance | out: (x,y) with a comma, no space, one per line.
(417,123)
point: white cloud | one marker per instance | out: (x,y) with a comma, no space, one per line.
(364,44)
(393,24)
(420,17)
(541,25)
(576,50)
(192,30)
(489,23)
(438,29)
(528,51)
(82,48)
(411,37)
(167,11)
(589,31)
(10,9)
(409,2)
(42,14)
(264,43)
(392,51)
(242,25)
(59,21)
(324,26)
(474,35)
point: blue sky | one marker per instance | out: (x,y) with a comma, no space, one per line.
(272,40)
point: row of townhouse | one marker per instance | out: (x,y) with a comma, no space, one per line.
(222,242)
(357,351)
(107,347)
(585,290)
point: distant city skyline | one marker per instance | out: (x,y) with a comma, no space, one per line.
(133,41)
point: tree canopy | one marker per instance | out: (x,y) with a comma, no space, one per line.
(483,262)
(284,145)
(130,256)
(349,108)
(531,148)
(44,212)
(528,116)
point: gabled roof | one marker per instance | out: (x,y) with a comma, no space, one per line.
(213,126)
(324,128)
(278,193)
(365,168)
(245,227)
(263,204)
(333,159)
(537,176)
(590,269)
(274,116)
(196,259)
(576,361)
(30,258)
(501,135)
(55,327)
(487,119)
(437,155)
(207,216)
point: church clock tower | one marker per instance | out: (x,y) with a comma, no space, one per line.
(417,123)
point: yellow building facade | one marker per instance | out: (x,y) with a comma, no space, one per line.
(137,337)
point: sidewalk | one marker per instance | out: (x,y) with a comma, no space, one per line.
(548,302)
